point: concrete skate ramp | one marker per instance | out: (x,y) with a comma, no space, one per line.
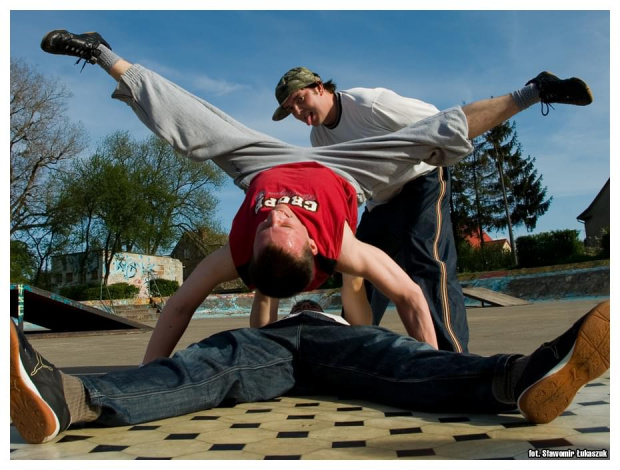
(62,315)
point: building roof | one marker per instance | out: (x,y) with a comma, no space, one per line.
(474,238)
(604,192)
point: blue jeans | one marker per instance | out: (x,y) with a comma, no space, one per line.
(415,230)
(309,353)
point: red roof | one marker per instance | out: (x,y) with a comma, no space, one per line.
(474,238)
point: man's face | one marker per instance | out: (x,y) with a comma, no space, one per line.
(313,106)
(284,229)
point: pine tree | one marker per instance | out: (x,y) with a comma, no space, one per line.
(520,195)
(496,188)
(472,195)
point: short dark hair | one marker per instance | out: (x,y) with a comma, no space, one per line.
(329,85)
(279,274)
(306,304)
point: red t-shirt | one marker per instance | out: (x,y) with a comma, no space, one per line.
(321,199)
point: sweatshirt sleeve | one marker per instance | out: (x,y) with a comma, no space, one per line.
(393,112)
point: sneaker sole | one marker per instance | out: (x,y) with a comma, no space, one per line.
(547,398)
(32,416)
(587,98)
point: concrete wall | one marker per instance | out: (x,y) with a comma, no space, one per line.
(226,305)
(576,283)
(582,283)
(132,268)
(592,282)
(138,270)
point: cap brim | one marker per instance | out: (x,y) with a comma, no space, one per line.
(280,114)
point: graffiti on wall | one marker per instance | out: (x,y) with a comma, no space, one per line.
(132,268)
(138,270)
(121,265)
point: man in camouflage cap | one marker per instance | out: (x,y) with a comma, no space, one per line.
(412,224)
(295,79)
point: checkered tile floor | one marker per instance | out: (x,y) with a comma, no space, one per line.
(330,428)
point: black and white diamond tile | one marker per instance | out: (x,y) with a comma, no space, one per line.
(294,428)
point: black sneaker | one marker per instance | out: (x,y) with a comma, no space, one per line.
(556,371)
(83,46)
(552,89)
(38,407)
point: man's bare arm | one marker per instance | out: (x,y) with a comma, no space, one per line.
(360,259)
(354,300)
(216,268)
(264,310)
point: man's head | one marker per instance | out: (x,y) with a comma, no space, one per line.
(306,304)
(303,94)
(283,261)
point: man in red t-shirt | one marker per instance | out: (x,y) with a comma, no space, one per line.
(297,214)
(321,200)
(298,218)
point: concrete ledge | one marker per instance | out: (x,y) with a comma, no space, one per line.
(555,285)
(229,305)
(573,283)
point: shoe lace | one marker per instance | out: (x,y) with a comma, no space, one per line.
(544,107)
(83,65)
(87,54)
(546,97)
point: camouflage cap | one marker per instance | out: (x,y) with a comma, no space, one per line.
(293,80)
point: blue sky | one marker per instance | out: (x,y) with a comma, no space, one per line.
(446,57)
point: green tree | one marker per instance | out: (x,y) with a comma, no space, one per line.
(136,196)
(23,263)
(528,197)
(521,196)
(179,192)
(50,236)
(496,188)
(472,193)
(473,196)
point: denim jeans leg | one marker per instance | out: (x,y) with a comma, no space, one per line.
(376,364)
(237,366)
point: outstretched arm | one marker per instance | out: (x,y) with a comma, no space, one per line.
(216,268)
(360,259)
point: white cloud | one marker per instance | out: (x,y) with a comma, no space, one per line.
(212,86)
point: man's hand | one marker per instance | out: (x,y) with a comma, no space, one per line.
(216,268)
(361,259)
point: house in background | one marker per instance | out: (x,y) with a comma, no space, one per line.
(194,246)
(132,268)
(474,240)
(596,217)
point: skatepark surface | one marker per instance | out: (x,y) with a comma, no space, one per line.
(332,427)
